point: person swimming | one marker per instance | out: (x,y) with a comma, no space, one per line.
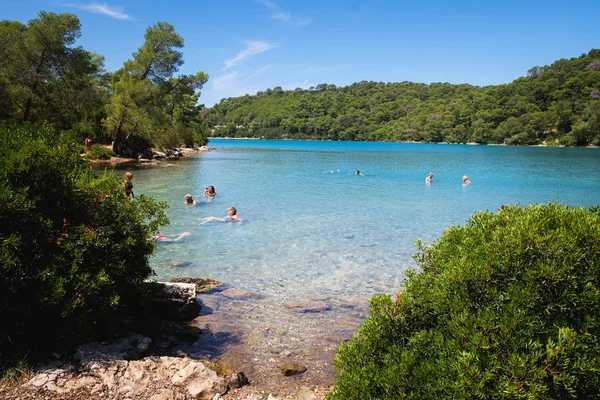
(466,180)
(429,178)
(210,192)
(190,200)
(231,217)
(170,238)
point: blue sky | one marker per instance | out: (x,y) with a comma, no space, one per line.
(250,45)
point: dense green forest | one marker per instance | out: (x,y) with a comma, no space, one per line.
(554,104)
(46,80)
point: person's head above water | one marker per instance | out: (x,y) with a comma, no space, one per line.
(210,191)
(231,211)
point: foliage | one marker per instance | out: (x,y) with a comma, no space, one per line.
(506,306)
(99,152)
(73,249)
(46,79)
(556,102)
(147,102)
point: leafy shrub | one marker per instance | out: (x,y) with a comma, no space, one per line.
(507,306)
(99,152)
(73,250)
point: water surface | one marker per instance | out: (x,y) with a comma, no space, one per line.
(313,228)
(314,231)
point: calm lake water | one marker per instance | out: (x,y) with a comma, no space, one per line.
(315,231)
(313,228)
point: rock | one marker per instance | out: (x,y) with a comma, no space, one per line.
(236,380)
(292,368)
(135,379)
(202,285)
(158,155)
(201,382)
(232,293)
(180,264)
(308,307)
(174,300)
(130,347)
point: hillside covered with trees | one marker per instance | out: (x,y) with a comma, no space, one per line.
(553,104)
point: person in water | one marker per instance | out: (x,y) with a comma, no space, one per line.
(210,192)
(466,180)
(429,177)
(128,185)
(231,217)
(171,238)
(358,173)
(190,200)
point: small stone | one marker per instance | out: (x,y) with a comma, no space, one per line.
(292,368)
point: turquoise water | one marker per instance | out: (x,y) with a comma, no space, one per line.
(314,230)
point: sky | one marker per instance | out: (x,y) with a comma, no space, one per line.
(248,46)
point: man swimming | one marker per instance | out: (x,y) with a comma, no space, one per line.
(231,217)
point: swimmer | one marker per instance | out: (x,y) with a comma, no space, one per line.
(231,217)
(429,177)
(170,238)
(210,192)
(466,180)
(358,173)
(190,200)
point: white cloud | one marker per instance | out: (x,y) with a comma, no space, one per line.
(104,9)
(283,16)
(235,84)
(252,48)
(258,72)
(300,22)
(225,81)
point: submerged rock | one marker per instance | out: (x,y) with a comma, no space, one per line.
(308,307)
(292,368)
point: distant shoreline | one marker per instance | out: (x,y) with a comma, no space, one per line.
(411,142)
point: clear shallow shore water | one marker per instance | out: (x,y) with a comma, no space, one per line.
(315,231)
(313,228)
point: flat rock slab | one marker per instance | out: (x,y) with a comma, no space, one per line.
(232,293)
(202,285)
(308,307)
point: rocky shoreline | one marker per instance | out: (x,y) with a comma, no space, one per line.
(165,360)
(151,158)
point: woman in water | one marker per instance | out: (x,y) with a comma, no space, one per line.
(210,192)
(231,217)
(128,185)
(190,200)
(466,180)
(429,178)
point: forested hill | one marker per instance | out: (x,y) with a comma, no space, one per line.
(554,104)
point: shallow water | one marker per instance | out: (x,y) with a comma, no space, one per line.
(313,229)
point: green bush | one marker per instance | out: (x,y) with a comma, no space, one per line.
(507,306)
(73,250)
(99,152)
